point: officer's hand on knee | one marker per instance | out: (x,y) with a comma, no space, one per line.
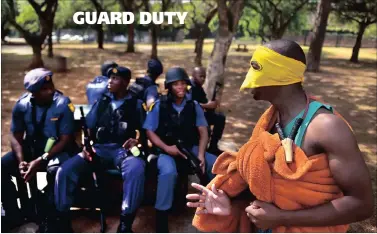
(130,143)
(172,150)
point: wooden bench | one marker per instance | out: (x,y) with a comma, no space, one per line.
(244,49)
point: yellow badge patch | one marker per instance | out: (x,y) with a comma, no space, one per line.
(115,70)
(71,107)
(145,106)
(47,78)
(151,106)
(54,119)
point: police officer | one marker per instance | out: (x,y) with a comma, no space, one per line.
(147,89)
(172,118)
(98,86)
(113,121)
(216,119)
(44,114)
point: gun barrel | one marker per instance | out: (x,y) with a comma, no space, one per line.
(194,163)
(82,111)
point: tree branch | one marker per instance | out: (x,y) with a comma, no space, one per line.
(193,18)
(348,16)
(298,8)
(210,15)
(97,5)
(222,11)
(278,3)
(36,7)
(19,27)
(274,6)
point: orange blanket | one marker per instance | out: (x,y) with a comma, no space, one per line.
(260,166)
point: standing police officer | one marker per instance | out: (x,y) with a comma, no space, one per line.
(43,113)
(216,119)
(173,118)
(113,121)
(147,89)
(98,86)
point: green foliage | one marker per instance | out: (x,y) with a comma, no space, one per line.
(5,10)
(300,22)
(27,17)
(271,19)
(348,14)
(214,24)
(359,11)
(371,31)
(249,22)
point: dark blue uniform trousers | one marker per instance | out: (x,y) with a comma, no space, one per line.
(132,170)
(167,177)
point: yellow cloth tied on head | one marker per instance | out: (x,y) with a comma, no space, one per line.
(269,68)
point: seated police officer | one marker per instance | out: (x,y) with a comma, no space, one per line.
(174,118)
(216,119)
(98,85)
(113,121)
(44,114)
(146,88)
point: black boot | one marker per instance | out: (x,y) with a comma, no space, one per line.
(125,224)
(162,223)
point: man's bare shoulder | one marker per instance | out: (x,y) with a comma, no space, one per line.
(330,130)
(325,120)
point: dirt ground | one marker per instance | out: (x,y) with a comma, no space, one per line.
(350,88)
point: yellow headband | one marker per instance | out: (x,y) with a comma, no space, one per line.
(269,68)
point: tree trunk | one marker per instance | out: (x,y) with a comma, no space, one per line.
(50,53)
(154,41)
(4,31)
(199,48)
(357,46)
(278,33)
(131,38)
(216,68)
(36,61)
(319,33)
(229,17)
(99,36)
(58,34)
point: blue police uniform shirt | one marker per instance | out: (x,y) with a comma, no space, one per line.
(96,88)
(151,91)
(152,120)
(91,117)
(59,117)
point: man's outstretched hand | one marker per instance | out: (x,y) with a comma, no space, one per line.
(213,201)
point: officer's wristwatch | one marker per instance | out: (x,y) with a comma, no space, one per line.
(44,157)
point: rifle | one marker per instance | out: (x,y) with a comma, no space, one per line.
(95,161)
(88,145)
(194,163)
(216,89)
